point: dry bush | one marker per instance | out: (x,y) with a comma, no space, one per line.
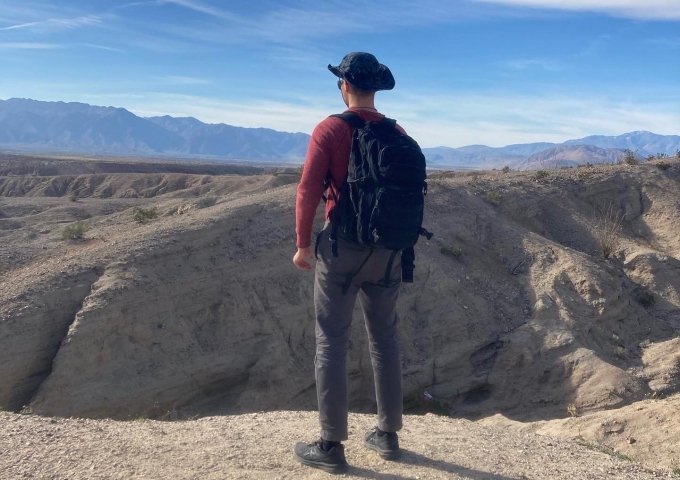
(143,215)
(451,251)
(629,158)
(74,231)
(205,202)
(608,229)
(494,197)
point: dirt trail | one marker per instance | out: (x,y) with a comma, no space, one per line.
(259,446)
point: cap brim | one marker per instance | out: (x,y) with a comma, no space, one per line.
(335,71)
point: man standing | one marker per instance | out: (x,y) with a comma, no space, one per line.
(343,271)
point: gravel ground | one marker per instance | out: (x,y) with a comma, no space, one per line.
(259,446)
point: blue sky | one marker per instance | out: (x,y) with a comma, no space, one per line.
(491,72)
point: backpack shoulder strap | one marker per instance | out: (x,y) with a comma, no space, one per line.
(390,121)
(354,120)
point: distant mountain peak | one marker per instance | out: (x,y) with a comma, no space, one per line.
(81,128)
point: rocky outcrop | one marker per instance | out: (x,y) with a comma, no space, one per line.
(514,307)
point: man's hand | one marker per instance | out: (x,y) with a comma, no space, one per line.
(302,258)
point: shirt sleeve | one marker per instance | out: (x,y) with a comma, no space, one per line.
(311,186)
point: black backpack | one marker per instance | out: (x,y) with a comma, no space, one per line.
(381,204)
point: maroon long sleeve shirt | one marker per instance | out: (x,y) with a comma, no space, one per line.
(328,152)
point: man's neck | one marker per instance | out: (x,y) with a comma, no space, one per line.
(363,106)
(365,103)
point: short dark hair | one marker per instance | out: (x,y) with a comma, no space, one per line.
(359,91)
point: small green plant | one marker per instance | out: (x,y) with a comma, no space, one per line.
(74,231)
(207,201)
(451,251)
(143,215)
(540,174)
(676,472)
(494,198)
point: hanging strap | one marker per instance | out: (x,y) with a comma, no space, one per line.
(408,256)
(350,277)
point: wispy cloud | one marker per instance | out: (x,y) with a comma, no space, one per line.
(204,8)
(57,23)
(283,116)
(647,9)
(528,63)
(596,46)
(101,47)
(502,118)
(183,80)
(494,119)
(294,25)
(669,42)
(28,46)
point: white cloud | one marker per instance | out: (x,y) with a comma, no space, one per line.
(28,46)
(528,63)
(57,23)
(101,47)
(499,118)
(642,9)
(201,7)
(294,24)
(287,117)
(495,119)
(182,80)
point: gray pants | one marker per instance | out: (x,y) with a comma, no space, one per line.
(333,310)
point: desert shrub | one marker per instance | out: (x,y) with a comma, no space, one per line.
(494,197)
(540,174)
(608,230)
(207,201)
(506,169)
(629,158)
(143,215)
(74,231)
(663,165)
(573,410)
(451,251)
(676,471)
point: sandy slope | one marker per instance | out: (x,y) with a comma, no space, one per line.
(199,311)
(259,446)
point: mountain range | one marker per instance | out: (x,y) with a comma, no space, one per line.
(33,125)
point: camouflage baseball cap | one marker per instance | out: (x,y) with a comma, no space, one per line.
(363,70)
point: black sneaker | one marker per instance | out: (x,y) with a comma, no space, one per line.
(385,443)
(331,461)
